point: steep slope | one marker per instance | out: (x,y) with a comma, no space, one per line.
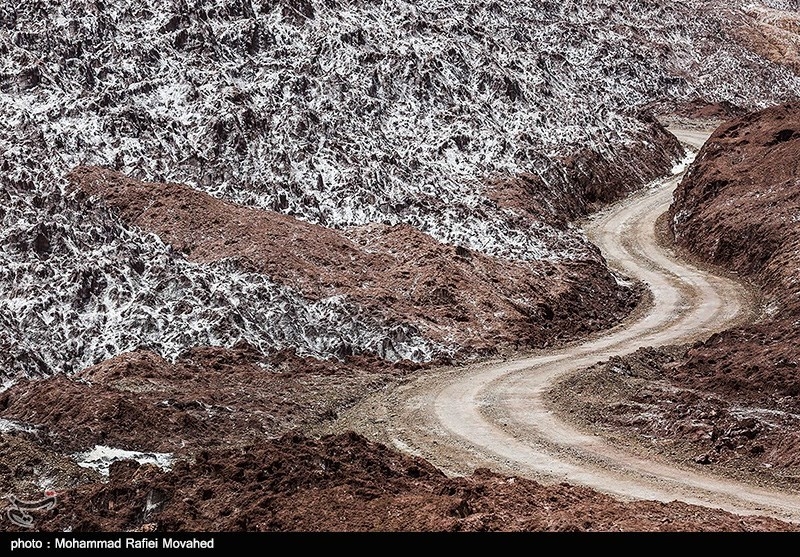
(739,207)
(739,203)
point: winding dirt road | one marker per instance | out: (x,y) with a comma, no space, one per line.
(495,414)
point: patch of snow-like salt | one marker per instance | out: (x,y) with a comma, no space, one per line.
(683,164)
(385,103)
(101,288)
(11,425)
(101,457)
(366,112)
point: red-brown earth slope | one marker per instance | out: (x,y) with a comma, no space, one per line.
(219,413)
(348,483)
(739,208)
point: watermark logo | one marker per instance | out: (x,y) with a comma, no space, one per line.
(20,511)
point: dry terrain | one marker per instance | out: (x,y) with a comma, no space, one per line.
(324,265)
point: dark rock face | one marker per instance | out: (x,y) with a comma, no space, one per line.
(359,114)
(85,286)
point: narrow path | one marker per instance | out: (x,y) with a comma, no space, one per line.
(495,414)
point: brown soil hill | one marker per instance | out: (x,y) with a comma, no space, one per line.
(739,207)
(210,397)
(221,412)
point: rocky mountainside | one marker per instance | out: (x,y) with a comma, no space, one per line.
(340,114)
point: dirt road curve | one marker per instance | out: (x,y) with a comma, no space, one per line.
(495,414)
